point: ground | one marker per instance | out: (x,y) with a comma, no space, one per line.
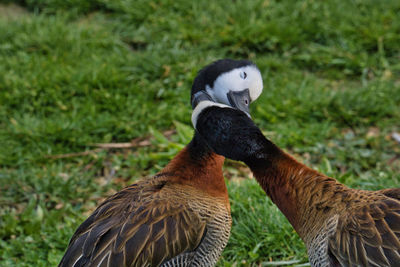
(75,74)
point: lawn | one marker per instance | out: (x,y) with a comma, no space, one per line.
(78,73)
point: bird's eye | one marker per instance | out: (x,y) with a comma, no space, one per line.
(246,102)
(243,75)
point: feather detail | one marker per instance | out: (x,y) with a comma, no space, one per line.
(368,235)
(166,220)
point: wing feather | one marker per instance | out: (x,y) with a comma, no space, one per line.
(391,192)
(369,236)
(134,227)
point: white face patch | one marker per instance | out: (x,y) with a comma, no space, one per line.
(201,106)
(248,77)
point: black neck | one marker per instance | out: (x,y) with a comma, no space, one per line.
(231,133)
(198,148)
(265,156)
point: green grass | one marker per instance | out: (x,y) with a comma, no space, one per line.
(75,73)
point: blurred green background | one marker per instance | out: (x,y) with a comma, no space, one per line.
(74,73)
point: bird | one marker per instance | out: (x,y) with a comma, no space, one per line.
(180,216)
(340,226)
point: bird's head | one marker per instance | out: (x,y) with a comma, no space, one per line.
(235,83)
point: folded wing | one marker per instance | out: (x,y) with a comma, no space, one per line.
(135,227)
(369,236)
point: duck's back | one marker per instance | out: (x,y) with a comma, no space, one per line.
(363,229)
(151,223)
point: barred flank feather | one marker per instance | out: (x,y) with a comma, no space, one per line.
(168,220)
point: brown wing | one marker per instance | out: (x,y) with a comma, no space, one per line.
(392,192)
(137,226)
(370,236)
